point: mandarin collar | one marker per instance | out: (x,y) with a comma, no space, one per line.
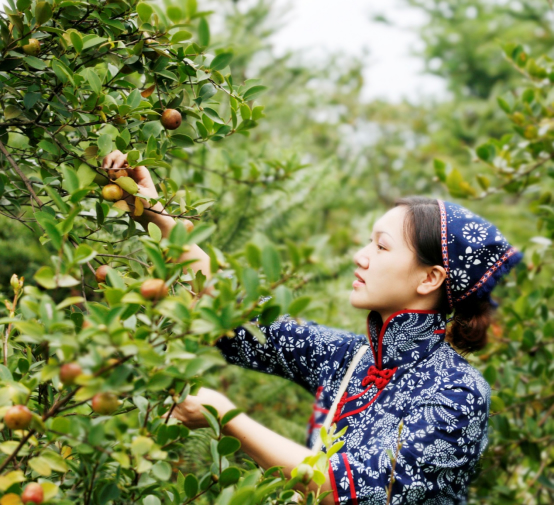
(406,337)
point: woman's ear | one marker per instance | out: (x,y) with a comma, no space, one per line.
(433,278)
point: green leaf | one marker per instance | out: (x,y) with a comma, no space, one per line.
(251,283)
(62,72)
(497,404)
(154,232)
(35,62)
(11,112)
(229,415)
(86,175)
(162,470)
(181,140)
(271,263)
(203,32)
(221,61)
(70,180)
(298,305)
(83,254)
(5,374)
(440,169)
(254,92)
(213,115)
(127,184)
(151,128)
(93,80)
(144,11)
(207,91)
(43,12)
(156,258)
(228,445)
(41,466)
(487,152)
(105,145)
(180,36)
(77,41)
(191,485)
(229,476)
(504,105)
(212,421)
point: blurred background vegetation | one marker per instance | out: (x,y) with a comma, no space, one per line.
(350,159)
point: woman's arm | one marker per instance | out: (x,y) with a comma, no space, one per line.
(117,160)
(264,446)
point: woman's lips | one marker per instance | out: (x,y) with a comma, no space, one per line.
(357,282)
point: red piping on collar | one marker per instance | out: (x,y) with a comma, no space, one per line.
(383,329)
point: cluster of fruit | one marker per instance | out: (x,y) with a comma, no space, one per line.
(19,417)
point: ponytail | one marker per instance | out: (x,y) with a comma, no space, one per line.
(468,329)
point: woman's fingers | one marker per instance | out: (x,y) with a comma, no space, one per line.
(116,159)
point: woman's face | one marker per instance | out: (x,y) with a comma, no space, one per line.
(388,268)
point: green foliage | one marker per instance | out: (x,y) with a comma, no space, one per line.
(101,80)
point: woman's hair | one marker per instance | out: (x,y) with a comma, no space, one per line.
(422,230)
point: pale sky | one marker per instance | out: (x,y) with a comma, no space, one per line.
(317,26)
(391,73)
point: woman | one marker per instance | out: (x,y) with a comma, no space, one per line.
(426,258)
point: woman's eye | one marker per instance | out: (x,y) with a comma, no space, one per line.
(379,246)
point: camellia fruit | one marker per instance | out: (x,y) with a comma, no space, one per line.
(154,289)
(69,372)
(112,192)
(116,174)
(33,493)
(102,272)
(171,119)
(18,417)
(32,48)
(105,403)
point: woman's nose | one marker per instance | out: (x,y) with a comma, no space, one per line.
(361,258)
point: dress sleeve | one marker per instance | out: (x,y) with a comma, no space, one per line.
(303,353)
(443,437)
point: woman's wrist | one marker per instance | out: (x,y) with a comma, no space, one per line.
(157,215)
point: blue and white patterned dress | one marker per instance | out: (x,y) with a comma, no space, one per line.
(408,373)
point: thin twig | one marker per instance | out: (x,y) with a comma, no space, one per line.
(21,174)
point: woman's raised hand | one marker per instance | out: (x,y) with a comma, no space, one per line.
(116,160)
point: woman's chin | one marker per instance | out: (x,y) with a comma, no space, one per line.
(358,301)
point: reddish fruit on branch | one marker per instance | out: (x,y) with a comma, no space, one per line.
(154,289)
(32,48)
(105,403)
(18,417)
(112,192)
(33,493)
(171,119)
(69,372)
(116,174)
(102,272)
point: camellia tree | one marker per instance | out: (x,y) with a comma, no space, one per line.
(109,337)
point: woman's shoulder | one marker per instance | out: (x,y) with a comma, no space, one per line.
(453,373)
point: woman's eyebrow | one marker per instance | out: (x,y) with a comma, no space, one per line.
(378,232)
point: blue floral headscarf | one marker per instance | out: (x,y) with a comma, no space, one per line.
(475,254)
